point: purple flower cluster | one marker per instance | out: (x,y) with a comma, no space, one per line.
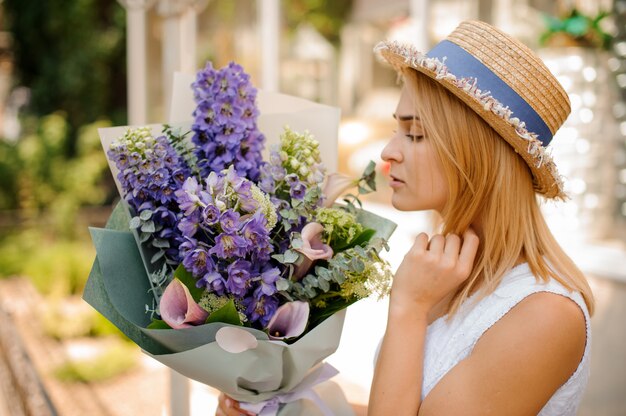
(227,244)
(225,130)
(150,172)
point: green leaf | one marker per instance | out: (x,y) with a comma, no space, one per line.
(577,26)
(338,276)
(282,284)
(157,256)
(227,314)
(553,24)
(357,265)
(135,222)
(310,292)
(145,215)
(158,324)
(279,258)
(296,243)
(160,243)
(310,281)
(188,280)
(324,285)
(291,256)
(143,237)
(370,168)
(148,227)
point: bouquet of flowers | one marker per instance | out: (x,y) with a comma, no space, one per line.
(232,270)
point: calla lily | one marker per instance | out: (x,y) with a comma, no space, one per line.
(336,185)
(289,320)
(312,248)
(178,309)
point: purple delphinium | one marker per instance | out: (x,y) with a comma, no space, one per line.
(260,309)
(226,226)
(150,171)
(224,129)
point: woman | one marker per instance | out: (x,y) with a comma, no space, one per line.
(489,317)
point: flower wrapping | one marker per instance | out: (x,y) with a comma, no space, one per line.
(232,270)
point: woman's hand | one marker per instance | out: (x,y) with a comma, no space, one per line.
(432,269)
(227,406)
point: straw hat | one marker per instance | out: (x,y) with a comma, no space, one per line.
(505,83)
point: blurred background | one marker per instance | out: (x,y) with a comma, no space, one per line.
(68,67)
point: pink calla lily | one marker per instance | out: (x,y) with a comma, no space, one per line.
(336,185)
(178,309)
(312,248)
(289,320)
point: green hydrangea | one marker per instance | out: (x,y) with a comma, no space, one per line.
(376,278)
(300,155)
(135,140)
(339,224)
(266,206)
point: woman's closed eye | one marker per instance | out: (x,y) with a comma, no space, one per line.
(415,137)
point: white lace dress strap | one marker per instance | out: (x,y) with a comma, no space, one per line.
(450,341)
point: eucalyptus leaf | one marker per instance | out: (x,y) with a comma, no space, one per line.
(339,276)
(145,215)
(296,243)
(282,284)
(310,292)
(148,227)
(370,168)
(161,243)
(135,222)
(157,256)
(291,256)
(310,281)
(324,285)
(279,258)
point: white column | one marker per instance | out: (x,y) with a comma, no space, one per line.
(188,43)
(136,59)
(170,13)
(269,26)
(419,12)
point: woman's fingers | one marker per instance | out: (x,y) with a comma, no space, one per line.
(452,247)
(229,407)
(436,244)
(468,250)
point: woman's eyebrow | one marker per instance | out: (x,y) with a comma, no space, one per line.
(405,117)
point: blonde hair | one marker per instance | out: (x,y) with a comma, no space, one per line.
(490,184)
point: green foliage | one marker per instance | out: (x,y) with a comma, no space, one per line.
(114,361)
(227,314)
(326,16)
(38,177)
(71,54)
(579,29)
(56,268)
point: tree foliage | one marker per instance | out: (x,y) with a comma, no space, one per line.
(326,16)
(71,54)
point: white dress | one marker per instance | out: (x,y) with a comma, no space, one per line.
(450,341)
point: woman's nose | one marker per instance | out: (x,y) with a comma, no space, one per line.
(390,151)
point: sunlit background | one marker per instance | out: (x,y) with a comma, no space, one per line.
(68,67)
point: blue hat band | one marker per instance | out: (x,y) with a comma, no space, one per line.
(464,65)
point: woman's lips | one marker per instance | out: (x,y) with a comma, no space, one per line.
(395,182)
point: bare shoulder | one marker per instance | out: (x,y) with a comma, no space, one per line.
(518,363)
(551,320)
